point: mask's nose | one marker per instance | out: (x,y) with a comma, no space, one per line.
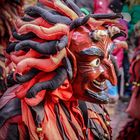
(109,72)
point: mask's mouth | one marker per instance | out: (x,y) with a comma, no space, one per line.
(95,90)
(97,86)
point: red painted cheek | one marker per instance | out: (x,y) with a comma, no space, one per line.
(95,73)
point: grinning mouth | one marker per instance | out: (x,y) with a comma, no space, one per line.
(98,83)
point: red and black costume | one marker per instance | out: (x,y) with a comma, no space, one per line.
(62,59)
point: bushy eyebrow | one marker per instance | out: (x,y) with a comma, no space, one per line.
(92,51)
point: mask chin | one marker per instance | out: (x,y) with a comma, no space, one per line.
(99,97)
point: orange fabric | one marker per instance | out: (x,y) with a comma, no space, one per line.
(28,120)
(51,133)
(64,92)
(37,99)
(68,128)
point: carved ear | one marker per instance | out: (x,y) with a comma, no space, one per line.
(121,44)
(123,34)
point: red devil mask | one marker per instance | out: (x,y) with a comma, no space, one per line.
(94,65)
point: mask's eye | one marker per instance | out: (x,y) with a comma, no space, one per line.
(95,63)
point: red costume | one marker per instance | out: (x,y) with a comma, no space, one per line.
(61,56)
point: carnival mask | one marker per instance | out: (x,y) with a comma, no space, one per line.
(94,65)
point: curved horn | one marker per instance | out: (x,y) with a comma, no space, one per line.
(54,83)
(62,42)
(46,15)
(106,16)
(79,22)
(30,54)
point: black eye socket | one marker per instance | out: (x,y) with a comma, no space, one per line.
(95,63)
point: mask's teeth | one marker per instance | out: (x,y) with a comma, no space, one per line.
(96,82)
(99,83)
